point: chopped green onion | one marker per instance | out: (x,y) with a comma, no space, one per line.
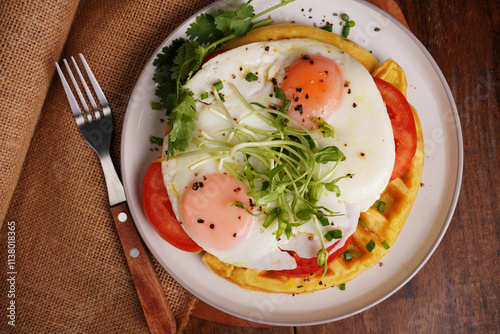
(324,221)
(351,23)
(218,85)
(327,28)
(362,222)
(345,17)
(342,286)
(156,140)
(333,234)
(221,97)
(379,205)
(345,31)
(204,96)
(251,77)
(370,245)
(356,254)
(156,106)
(347,255)
(385,244)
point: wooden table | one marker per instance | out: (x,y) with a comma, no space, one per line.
(457,290)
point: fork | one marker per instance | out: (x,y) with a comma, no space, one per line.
(97,130)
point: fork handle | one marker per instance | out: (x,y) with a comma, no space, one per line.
(154,302)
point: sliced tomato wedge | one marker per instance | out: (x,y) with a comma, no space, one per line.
(306,267)
(403,125)
(158,210)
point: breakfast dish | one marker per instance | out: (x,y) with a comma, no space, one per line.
(379,225)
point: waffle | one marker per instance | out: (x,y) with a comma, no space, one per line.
(381,227)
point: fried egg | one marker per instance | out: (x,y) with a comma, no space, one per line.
(321,81)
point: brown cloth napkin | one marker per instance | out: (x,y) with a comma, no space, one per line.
(70,273)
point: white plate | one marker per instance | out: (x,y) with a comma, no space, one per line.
(425,227)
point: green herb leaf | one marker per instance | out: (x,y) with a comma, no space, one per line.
(251,77)
(386,245)
(333,234)
(181,122)
(326,128)
(329,154)
(370,245)
(204,30)
(238,22)
(156,140)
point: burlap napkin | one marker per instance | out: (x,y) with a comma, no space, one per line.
(70,271)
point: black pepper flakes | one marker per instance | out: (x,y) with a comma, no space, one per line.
(196,186)
(212,226)
(299,90)
(354,105)
(295,98)
(251,202)
(200,221)
(299,109)
(307,96)
(234,235)
(311,62)
(266,48)
(274,81)
(349,91)
(237,190)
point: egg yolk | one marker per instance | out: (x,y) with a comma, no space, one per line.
(314,87)
(208,215)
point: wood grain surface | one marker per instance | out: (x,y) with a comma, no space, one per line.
(458,290)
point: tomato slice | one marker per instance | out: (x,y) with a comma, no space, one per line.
(403,125)
(158,210)
(306,267)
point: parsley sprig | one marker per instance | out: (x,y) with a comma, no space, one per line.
(176,63)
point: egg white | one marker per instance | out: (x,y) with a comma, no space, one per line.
(362,131)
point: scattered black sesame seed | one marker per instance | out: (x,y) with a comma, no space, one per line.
(307,96)
(349,91)
(305,57)
(299,90)
(200,221)
(354,105)
(237,190)
(234,235)
(311,62)
(251,202)
(295,98)
(212,226)
(300,286)
(274,81)
(266,48)
(196,186)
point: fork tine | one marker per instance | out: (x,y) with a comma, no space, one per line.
(97,88)
(75,108)
(78,91)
